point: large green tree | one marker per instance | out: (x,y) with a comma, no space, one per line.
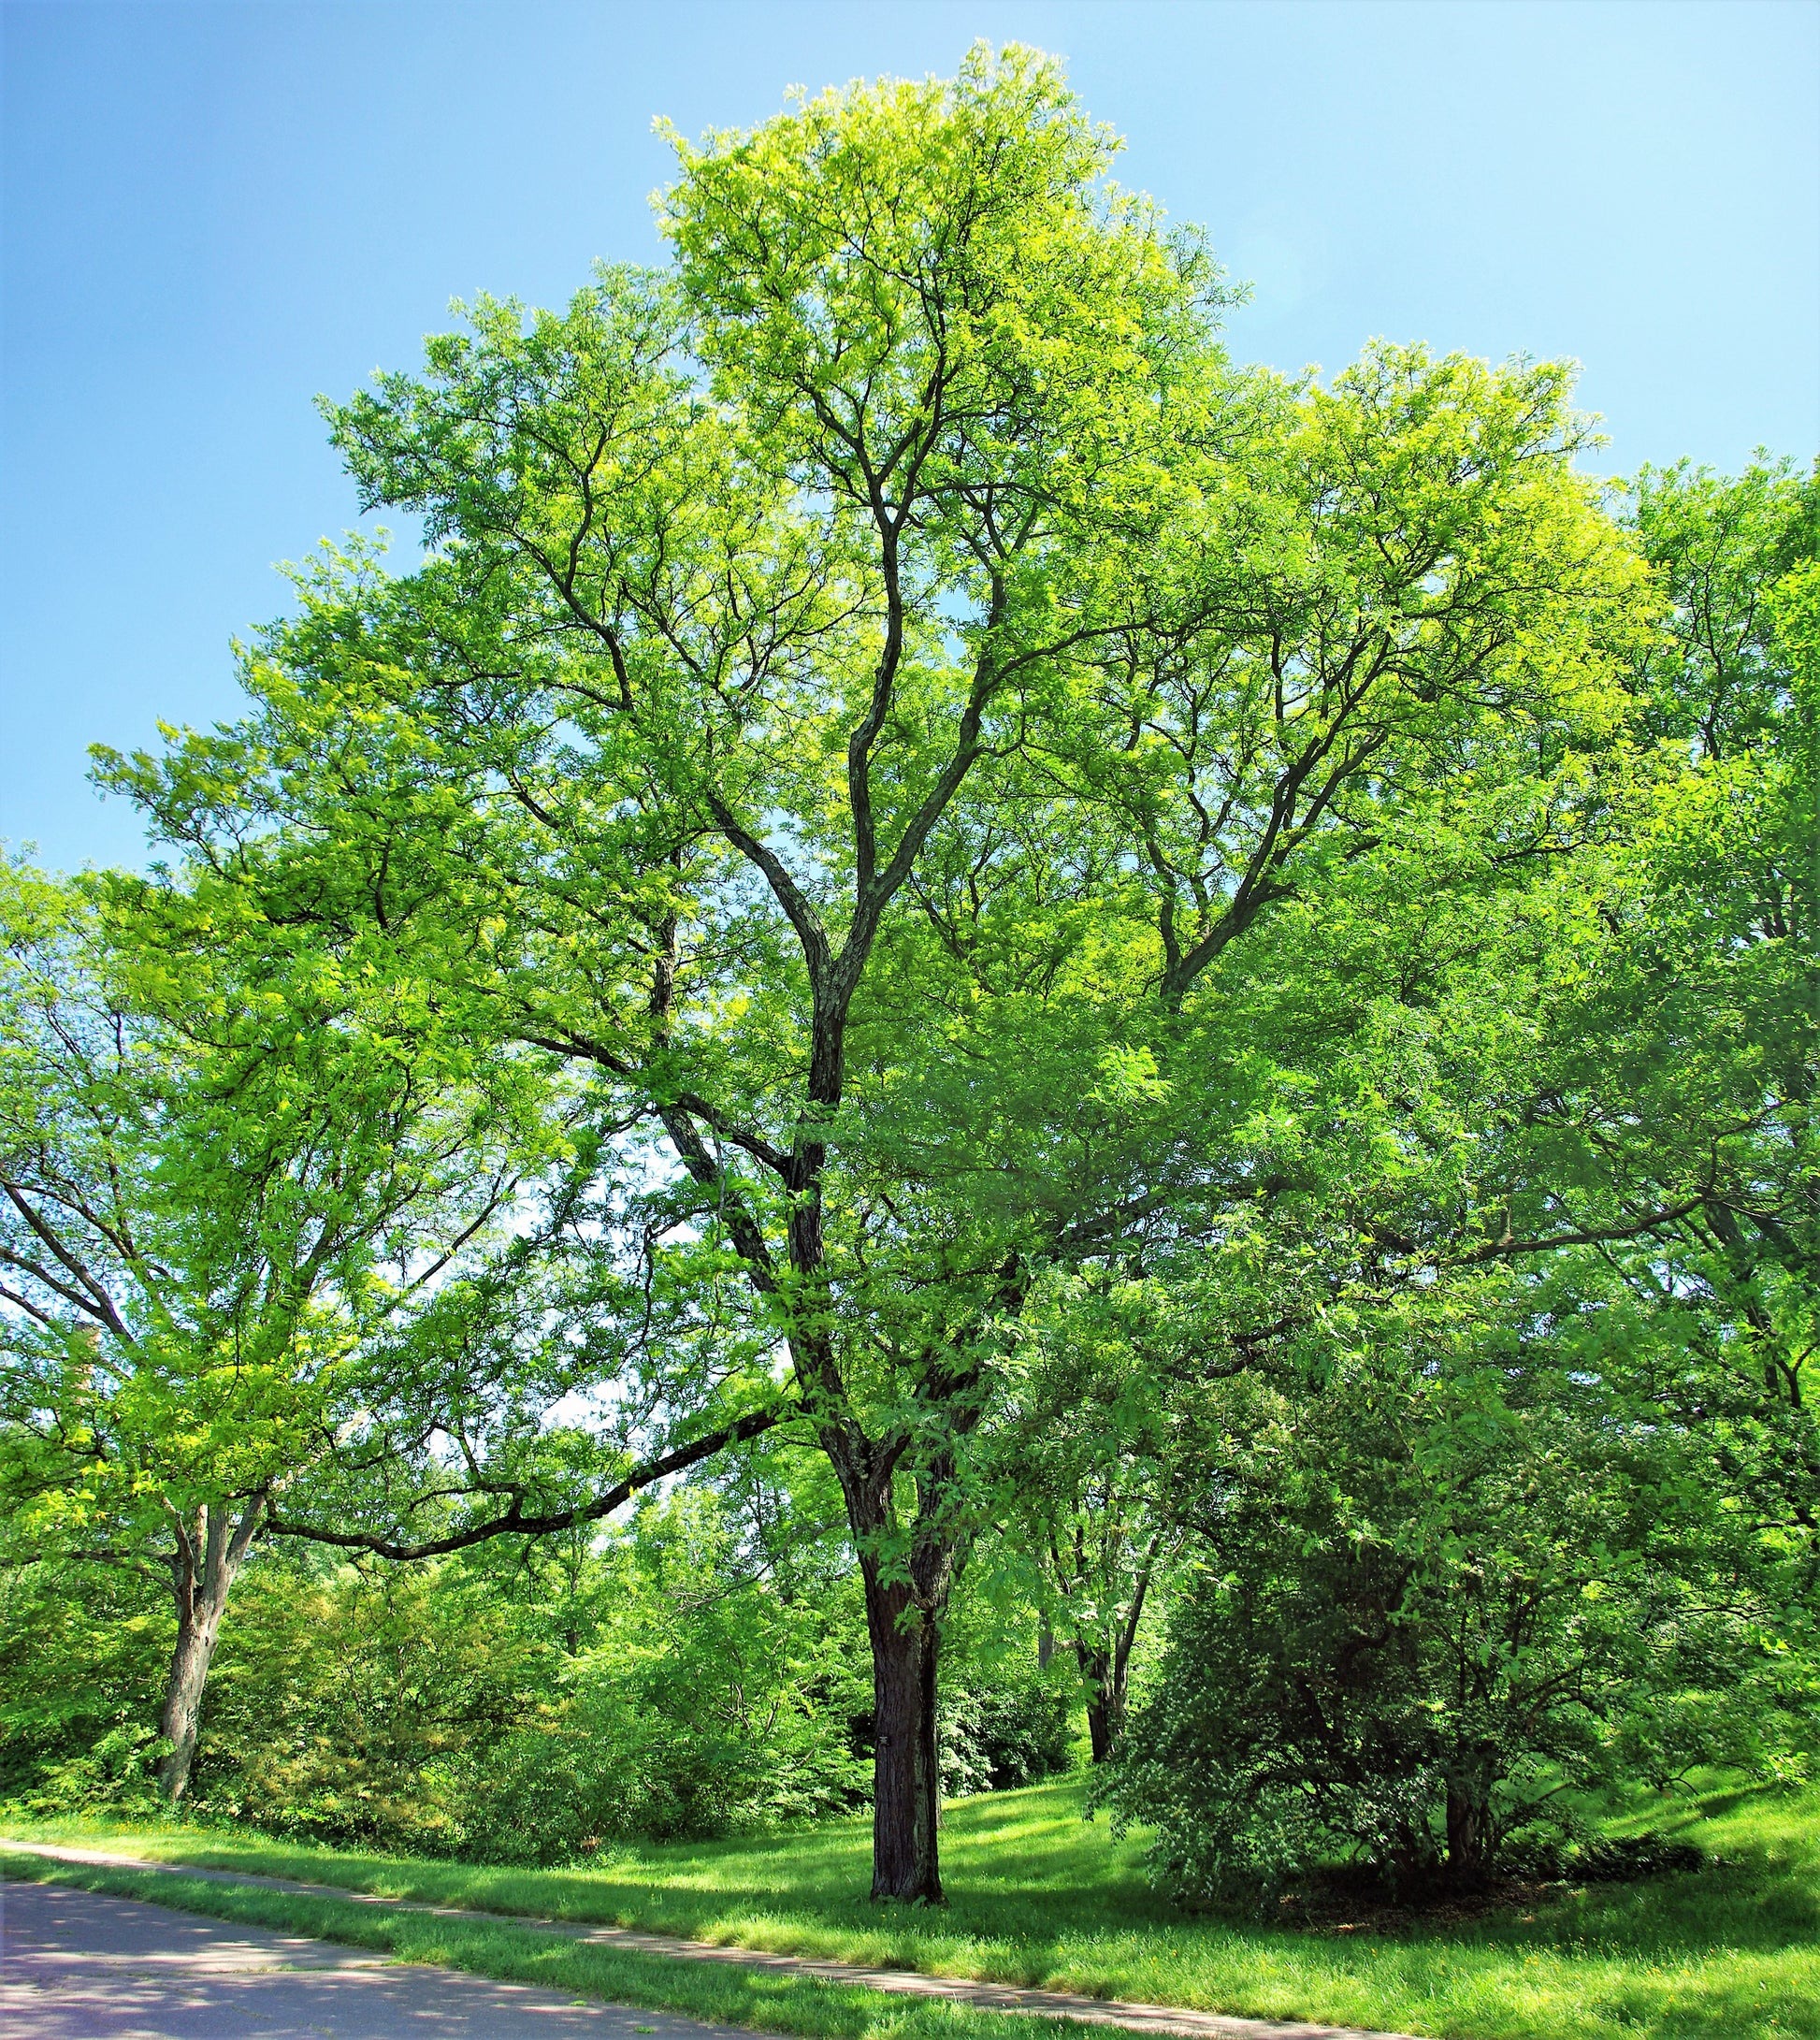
(868,683)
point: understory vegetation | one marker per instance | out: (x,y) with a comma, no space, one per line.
(701,1674)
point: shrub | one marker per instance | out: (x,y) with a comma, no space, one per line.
(1426,1607)
(83,1651)
(1621,1858)
(1003,1726)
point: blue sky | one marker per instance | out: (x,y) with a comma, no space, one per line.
(213,211)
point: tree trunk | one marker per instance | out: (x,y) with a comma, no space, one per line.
(1099,1733)
(1107,1672)
(183,1708)
(1105,1659)
(907,1761)
(1103,1701)
(906,1596)
(203,1566)
(1468,1828)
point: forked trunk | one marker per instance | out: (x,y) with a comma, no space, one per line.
(1104,1700)
(906,1763)
(203,1566)
(1107,1673)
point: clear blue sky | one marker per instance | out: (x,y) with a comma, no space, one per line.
(214,210)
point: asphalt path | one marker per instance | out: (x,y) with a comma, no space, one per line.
(75,1965)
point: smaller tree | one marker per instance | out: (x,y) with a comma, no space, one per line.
(213,1189)
(1430,1600)
(1083,1466)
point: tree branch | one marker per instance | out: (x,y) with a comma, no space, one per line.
(514,1523)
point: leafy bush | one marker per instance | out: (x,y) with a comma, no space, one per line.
(534,1707)
(1003,1726)
(119,1774)
(83,1650)
(1621,1858)
(350,1705)
(709,1701)
(1427,1606)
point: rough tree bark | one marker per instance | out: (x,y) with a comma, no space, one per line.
(1468,1827)
(907,1761)
(1106,1699)
(210,1548)
(906,1597)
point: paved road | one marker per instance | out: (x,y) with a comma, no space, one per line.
(75,1965)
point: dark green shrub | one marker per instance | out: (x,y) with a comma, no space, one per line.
(1623,1859)
(1426,1608)
(1003,1727)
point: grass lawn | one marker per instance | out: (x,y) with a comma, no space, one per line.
(1037,1897)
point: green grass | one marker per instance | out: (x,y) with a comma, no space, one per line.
(1039,1898)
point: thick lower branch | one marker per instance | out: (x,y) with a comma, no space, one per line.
(515,1523)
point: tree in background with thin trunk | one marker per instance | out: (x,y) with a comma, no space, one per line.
(213,1188)
(1083,1454)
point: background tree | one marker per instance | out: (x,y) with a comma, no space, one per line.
(1084,1452)
(1708,996)
(214,1190)
(1583,1081)
(1635,1056)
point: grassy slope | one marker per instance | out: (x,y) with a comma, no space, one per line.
(1038,1897)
